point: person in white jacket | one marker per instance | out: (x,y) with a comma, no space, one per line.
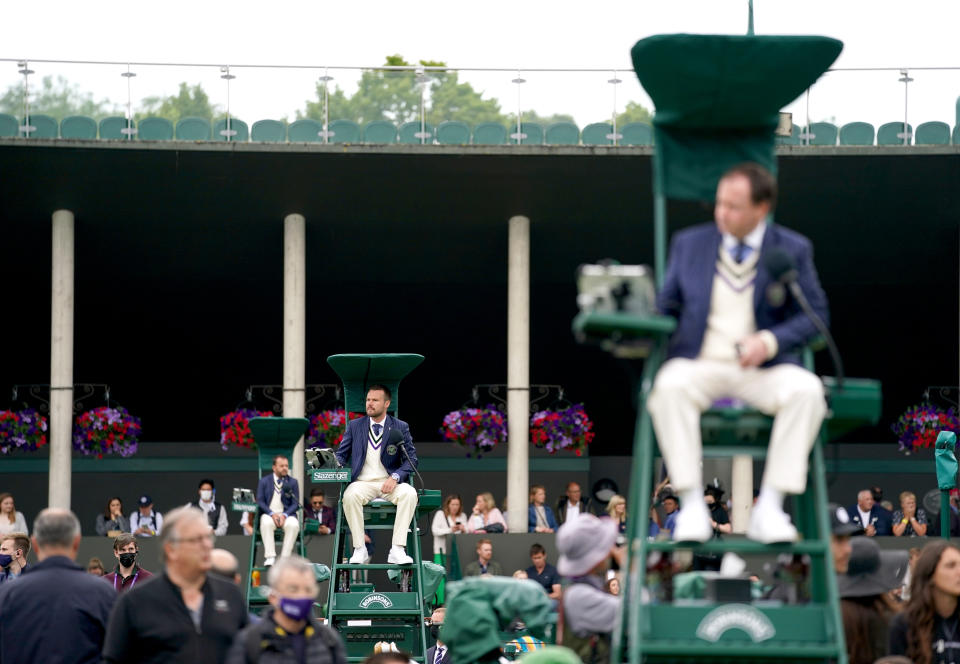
(11,521)
(446,522)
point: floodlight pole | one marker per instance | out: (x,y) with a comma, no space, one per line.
(61,360)
(750,17)
(518,373)
(294,328)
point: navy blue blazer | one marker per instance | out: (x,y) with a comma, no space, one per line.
(289,494)
(881,519)
(688,285)
(532,518)
(352,450)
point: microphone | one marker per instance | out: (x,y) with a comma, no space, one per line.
(397,438)
(782,268)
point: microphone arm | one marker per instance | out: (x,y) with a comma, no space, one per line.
(797,292)
(402,444)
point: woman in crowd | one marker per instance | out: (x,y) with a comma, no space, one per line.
(908,521)
(112,519)
(866,603)
(11,521)
(540,517)
(617,509)
(612,585)
(95,567)
(449,520)
(486,518)
(928,629)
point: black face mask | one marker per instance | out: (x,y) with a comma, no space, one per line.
(435,631)
(127,559)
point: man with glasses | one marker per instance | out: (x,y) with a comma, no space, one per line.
(185,614)
(317,511)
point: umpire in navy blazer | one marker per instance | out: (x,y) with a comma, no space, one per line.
(373,447)
(278,496)
(739,335)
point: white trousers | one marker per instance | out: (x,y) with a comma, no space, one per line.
(684,388)
(291,528)
(359,493)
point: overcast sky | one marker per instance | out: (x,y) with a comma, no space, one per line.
(530,34)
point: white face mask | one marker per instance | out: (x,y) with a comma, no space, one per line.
(206,495)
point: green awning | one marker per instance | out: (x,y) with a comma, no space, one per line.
(359,371)
(276,435)
(718,98)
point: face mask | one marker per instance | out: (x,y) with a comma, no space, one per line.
(206,495)
(435,631)
(127,559)
(5,559)
(296,609)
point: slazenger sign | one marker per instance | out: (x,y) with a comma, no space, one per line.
(735,616)
(376,598)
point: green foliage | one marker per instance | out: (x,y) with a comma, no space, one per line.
(189,102)
(532,116)
(634,112)
(57,98)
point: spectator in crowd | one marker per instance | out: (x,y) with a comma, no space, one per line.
(185,614)
(573,503)
(127,573)
(449,520)
(671,505)
(719,523)
(520,574)
(225,565)
(288,634)
(842,528)
(245,523)
(869,515)
(315,510)
(928,623)
(540,517)
(216,513)
(617,510)
(95,567)
(612,585)
(905,588)
(11,521)
(865,601)
(438,654)
(543,572)
(278,496)
(908,521)
(484,564)
(56,612)
(388,658)
(14,548)
(111,522)
(145,522)
(586,546)
(486,518)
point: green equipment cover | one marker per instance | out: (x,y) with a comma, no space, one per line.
(718,99)
(946,460)
(432,575)
(550,655)
(321,571)
(480,608)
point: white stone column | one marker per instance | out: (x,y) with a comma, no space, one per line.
(61,360)
(518,373)
(741,492)
(294,328)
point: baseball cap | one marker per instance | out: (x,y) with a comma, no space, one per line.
(145,500)
(840,523)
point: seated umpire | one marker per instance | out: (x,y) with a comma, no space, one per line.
(380,470)
(278,496)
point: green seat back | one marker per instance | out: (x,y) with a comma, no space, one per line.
(408,133)
(268,131)
(155,129)
(856,133)
(824,133)
(792,139)
(887,134)
(932,133)
(344,131)
(596,134)
(380,131)
(358,371)
(956,135)
(636,133)
(112,129)
(9,127)
(239,126)
(276,435)
(489,133)
(305,131)
(78,126)
(533,131)
(453,133)
(44,126)
(193,129)
(562,133)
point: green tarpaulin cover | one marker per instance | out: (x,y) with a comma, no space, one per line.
(717,100)
(946,460)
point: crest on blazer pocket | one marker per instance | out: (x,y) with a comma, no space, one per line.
(776,294)
(391,450)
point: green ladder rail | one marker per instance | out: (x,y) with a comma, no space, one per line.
(272,436)
(360,612)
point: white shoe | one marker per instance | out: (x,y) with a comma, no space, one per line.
(267,562)
(693,523)
(770,525)
(360,556)
(398,556)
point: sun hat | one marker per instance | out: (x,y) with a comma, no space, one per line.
(584,542)
(872,571)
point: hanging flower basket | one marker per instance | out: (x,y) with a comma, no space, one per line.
(919,425)
(235,427)
(106,430)
(477,429)
(327,427)
(22,430)
(567,429)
